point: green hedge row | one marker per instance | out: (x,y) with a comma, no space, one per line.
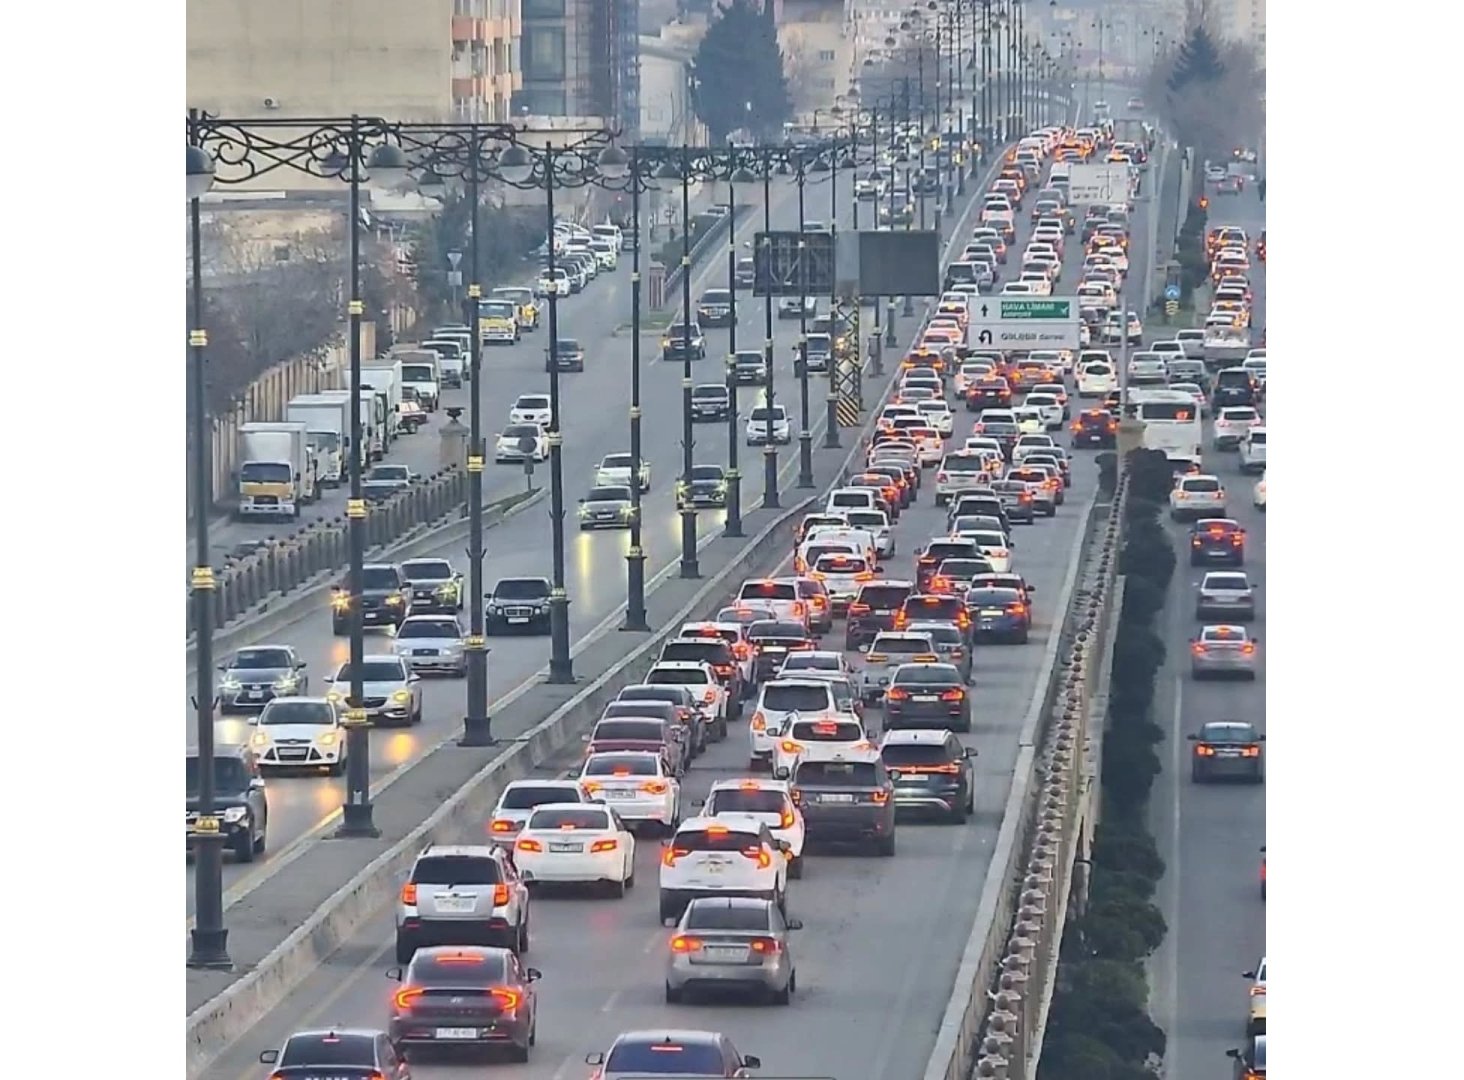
(1099,1026)
(1189,252)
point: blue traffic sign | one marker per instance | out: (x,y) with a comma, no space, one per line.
(1171,292)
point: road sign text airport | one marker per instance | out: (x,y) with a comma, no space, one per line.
(1025,322)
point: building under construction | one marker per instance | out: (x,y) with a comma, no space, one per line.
(582,58)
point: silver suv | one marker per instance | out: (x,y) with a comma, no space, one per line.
(462,895)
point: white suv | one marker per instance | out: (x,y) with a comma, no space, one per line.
(770,802)
(1197,495)
(1253,450)
(698,677)
(728,855)
(462,895)
(778,702)
(818,738)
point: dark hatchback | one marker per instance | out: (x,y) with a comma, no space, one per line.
(1227,750)
(874,609)
(464,996)
(1095,428)
(386,599)
(682,342)
(568,355)
(846,802)
(988,394)
(927,695)
(337,1054)
(774,640)
(710,401)
(931,771)
(997,614)
(1217,542)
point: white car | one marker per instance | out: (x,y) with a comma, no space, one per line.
(1037,282)
(1253,450)
(876,523)
(1026,444)
(615,469)
(522,797)
(1113,328)
(1096,380)
(1233,423)
(781,597)
(1192,341)
(393,693)
(300,733)
(1195,496)
(1196,391)
(553,281)
(995,548)
(1020,288)
(727,855)
(698,677)
(576,843)
(530,409)
(938,415)
(963,470)
(1170,350)
(432,644)
(969,372)
(1056,389)
(521,442)
(1258,495)
(817,738)
(1029,420)
(1147,369)
(778,701)
(843,575)
(770,802)
(1049,408)
(765,426)
(639,785)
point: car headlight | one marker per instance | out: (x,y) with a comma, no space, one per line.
(584,511)
(393,600)
(340,601)
(665,343)
(235,814)
(259,738)
(285,683)
(450,589)
(335,697)
(625,511)
(401,696)
(230,684)
(327,738)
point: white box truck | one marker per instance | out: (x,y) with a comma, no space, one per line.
(422,374)
(385,377)
(368,405)
(327,421)
(276,470)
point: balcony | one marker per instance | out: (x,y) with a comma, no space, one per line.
(472,86)
(467,28)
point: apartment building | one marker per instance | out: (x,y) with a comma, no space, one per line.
(581,58)
(1244,20)
(818,45)
(410,60)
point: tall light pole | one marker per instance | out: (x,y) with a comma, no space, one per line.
(770,449)
(635,558)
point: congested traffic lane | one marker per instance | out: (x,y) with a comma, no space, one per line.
(595,561)
(1210,834)
(592,316)
(882,937)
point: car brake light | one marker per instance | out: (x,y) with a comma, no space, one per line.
(785,821)
(680,944)
(591,786)
(788,746)
(759,722)
(798,608)
(1248,648)
(404,997)
(604,845)
(858,609)
(500,895)
(956,694)
(1016,609)
(654,787)
(1252,751)
(1205,751)
(1197,648)
(766,946)
(896,694)
(758,855)
(502,825)
(881,797)
(409,894)
(669,855)
(741,651)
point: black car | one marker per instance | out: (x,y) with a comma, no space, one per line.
(927,695)
(873,609)
(749,367)
(819,348)
(710,401)
(568,355)
(338,1054)
(937,552)
(979,504)
(714,308)
(1233,387)
(241,812)
(999,614)
(846,801)
(386,598)
(1095,428)
(472,995)
(708,487)
(683,342)
(931,772)
(437,587)
(1217,542)
(746,272)
(1226,750)
(255,676)
(774,639)
(518,604)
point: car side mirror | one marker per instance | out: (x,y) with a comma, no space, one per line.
(581,502)
(1233,1053)
(257,783)
(749,1061)
(699,803)
(488,595)
(794,924)
(780,773)
(268,1057)
(970,752)
(1260,738)
(1248,974)
(532,974)
(394,973)
(596,1058)
(414,677)
(1193,738)
(300,665)
(585,737)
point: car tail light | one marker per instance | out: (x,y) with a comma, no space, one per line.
(508,1000)
(669,855)
(940,584)
(1204,751)
(1251,751)
(709,695)
(765,946)
(956,694)
(880,797)
(1248,648)
(1016,609)
(785,821)
(1237,539)
(503,825)
(500,895)
(591,786)
(603,845)
(409,894)
(858,609)
(759,722)
(681,944)
(818,575)
(896,694)
(1197,648)
(799,608)
(654,787)
(963,620)
(758,855)
(790,747)
(527,844)
(404,997)
(741,650)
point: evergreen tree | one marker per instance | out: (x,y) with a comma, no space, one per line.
(1198,61)
(739,77)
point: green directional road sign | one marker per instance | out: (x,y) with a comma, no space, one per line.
(1023,323)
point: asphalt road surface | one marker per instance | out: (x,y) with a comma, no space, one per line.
(1210,834)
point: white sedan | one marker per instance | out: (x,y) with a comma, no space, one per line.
(521,442)
(530,409)
(938,415)
(638,785)
(995,548)
(300,733)
(576,843)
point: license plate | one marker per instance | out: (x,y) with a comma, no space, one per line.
(1228,753)
(424,652)
(926,697)
(566,847)
(254,694)
(454,903)
(726,952)
(518,618)
(836,798)
(457,1033)
(620,792)
(715,868)
(992,614)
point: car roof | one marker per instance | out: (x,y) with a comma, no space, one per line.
(732,819)
(761,783)
(460,851)
(915,737)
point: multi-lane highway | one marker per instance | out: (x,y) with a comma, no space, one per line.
(882,938)
(1210,834)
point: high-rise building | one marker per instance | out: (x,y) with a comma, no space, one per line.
(409,60)
(1244,20)
(581,58)
(818,49)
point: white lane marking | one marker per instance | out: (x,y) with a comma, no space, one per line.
(611,1001)
(564,1067)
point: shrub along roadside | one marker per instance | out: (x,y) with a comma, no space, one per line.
(1099,1026)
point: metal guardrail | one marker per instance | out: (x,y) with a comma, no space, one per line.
(705,243)
(284,563)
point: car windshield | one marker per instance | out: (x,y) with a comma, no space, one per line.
(1202,484)
(901,646)
(427,570)
(608,494)
(528,797)
(533,401)
(455,870)
(615,461)
(375,671)
(945,635)
(230,774)
(521,589)
(587,817)
(298,712)
(650,730)
(827,731)
(261,659)
(715,296)
(764,413)
(620,765)
(678,677)
(898,754)
(746,358)
(707,472)
(666,1059)
(1227,733)
(927,675)
(429,628)
(993,598)
(264,472)
(323,1051)
(521,431)
(796,697)
(708,391)
(717,914)
(568,345)
(467,969)
(746,801)
(379,577)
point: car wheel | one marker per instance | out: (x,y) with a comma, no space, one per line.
(783,996)
(674,996)
(616,889)
(404,950)
(518,1054)
(244,848)
(670,911)
(721,728)
(887,845)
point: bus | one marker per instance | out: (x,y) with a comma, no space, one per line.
(1171,422)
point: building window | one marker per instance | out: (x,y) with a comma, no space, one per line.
(537,102)
(543,53)
(543,9)
(826,55)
